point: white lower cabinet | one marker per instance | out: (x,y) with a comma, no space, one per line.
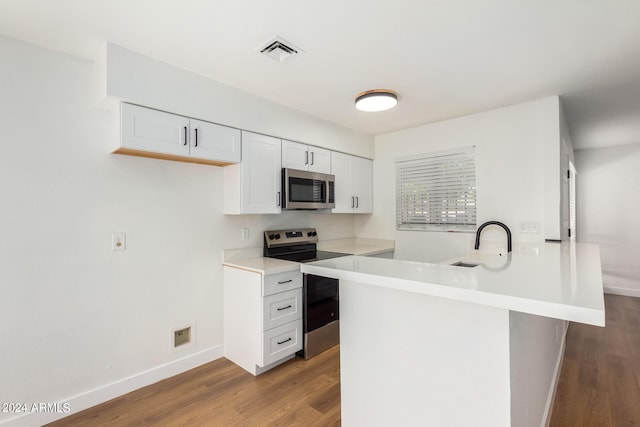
(262,318)
(281,342)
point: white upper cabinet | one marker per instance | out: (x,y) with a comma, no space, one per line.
(362,184)
(305,157)
(212,141)
(354,186)
(254,186)
(156,131)
(152,133)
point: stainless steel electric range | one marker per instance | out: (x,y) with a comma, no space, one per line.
(321,319)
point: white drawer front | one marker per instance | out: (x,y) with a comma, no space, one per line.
(281,308)
(274,283)
(281,341)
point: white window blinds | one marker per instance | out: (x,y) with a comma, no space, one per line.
(437,191)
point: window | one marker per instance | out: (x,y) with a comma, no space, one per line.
(437,191)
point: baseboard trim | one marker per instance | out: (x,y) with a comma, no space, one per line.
(551,396)
(90,398)
(622,291)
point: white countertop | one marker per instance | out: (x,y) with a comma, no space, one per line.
(263,265)
(352,245)
(357,246)
(559,280)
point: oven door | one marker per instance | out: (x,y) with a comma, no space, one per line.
(320,301)
(307,190)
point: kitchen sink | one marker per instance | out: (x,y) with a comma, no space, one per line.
(464,264)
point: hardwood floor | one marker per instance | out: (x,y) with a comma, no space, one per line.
(298,393)
(600,380)
(599,385)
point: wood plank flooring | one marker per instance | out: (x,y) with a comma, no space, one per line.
(599,385)
(298,393)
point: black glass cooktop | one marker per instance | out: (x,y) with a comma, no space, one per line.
(320,255)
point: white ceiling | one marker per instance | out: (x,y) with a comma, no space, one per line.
(446,58)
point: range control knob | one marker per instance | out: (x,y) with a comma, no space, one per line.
(272,236)
(277,236)
(309,233)
(313,233)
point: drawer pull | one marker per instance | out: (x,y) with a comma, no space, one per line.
(286,281)
(282,342)
(284,308)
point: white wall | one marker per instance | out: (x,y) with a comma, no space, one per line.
(607,212)
(80,323)
(511,147)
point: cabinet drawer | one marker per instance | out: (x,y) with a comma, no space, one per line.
(281,308)
(281,341)
(274,283)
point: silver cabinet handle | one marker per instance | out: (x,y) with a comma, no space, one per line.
(186,135)
(357,202)
(278,198)
(306,157)
(312,157)
(353,202)
(284,308)
(196,143)
(285,281)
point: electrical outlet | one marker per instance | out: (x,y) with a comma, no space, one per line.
(118,241)
(245,234)
(529,227)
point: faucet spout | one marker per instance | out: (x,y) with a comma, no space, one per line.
(498,223)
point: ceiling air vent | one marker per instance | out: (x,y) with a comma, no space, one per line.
(279,49)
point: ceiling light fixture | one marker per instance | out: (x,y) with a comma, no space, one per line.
(376,100)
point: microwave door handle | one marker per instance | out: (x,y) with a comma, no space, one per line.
(326,193)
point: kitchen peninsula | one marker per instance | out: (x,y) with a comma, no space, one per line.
(473,345)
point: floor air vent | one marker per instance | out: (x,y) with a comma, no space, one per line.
(279,49)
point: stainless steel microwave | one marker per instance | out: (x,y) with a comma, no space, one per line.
(307,190)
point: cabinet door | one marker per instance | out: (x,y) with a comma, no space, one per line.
(295,155)
(319,160)
(155,131)
(362,179)
(261,173)
(341,165)
(214,142)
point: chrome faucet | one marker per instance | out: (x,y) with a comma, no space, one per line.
(477,246)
